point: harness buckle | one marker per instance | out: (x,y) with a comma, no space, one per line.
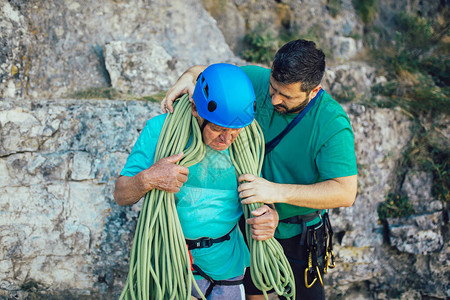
(204,243)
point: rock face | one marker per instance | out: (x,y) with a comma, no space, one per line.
(62,234)
(59,161)
(53,48)
(65,52)
(140,68)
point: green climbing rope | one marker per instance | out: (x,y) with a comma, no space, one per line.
(269,266)
(159,261)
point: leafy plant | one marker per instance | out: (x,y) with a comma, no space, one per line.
(261,46)
(428,151)
(395,206)
(262,43)
(366,9)
(334,7)
(416,65)
(419,96)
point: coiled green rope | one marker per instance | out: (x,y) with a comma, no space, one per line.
(269,266)
(159,261)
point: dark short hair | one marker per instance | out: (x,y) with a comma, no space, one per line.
(299,61)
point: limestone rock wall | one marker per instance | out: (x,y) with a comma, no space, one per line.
(60,226)
(52,48)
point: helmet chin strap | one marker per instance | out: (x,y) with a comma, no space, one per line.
(205,122)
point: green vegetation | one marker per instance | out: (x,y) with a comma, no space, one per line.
(154,98)
(111,93)
(417,68)
(30,285)
(366,9)
(417,65)
(334,7)
(395,206)
(428,151)
(346,94)
(262,45)
(96,93)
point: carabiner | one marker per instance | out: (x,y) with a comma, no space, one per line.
(309,285)
(306,280)
(318,275)
(331,259)
(326,260)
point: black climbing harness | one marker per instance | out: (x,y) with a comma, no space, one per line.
(315,248)
(206,243)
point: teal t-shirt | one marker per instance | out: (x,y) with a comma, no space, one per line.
(207,204)
(319,147)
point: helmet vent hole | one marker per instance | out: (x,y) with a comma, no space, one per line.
(206,91)
(212,105)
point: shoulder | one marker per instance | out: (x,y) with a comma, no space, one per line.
(260,78)
(330,109)
(156,123)
(256,72)
(330,118)
(157,120)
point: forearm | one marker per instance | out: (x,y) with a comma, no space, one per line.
(192,73)
(130,190)
(184,85)
(333,193)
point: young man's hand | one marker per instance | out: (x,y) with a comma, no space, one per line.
(257,189)
(185,84)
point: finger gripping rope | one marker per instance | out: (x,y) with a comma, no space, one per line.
(159,260)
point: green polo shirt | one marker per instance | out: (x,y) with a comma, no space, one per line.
(318,148)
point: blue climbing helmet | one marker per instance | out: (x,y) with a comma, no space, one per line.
(224,96)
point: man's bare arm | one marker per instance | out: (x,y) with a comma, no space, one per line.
(164,175)
(332,193)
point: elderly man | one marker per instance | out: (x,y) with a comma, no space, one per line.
(207,199)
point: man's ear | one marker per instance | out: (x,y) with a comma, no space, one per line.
(194,110)
(315,91)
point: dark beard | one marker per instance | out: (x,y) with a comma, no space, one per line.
(294,110)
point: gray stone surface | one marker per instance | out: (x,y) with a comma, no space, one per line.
(52,48)
(56,200)
(141,68)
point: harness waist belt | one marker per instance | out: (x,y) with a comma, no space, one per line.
(213,282)
(207,242)
(303,218)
